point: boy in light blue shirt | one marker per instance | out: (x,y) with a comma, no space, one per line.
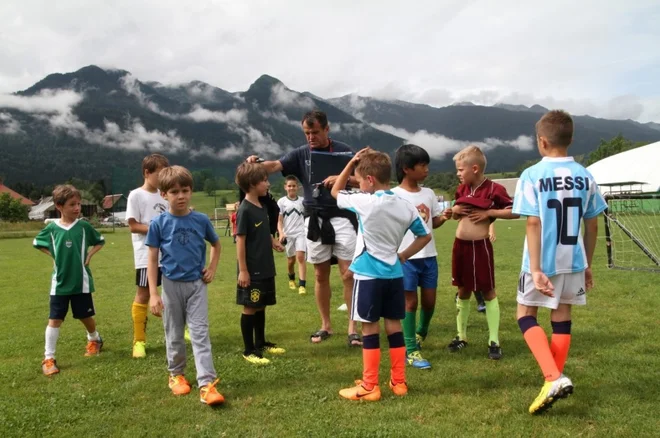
(557,195)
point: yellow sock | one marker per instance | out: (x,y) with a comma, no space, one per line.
(139,313)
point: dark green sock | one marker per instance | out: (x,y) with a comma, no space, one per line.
(424,322)
(409,332)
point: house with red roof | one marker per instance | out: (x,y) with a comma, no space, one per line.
(13,194)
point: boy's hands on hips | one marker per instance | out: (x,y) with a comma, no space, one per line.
(156,305)
(208,275)
(543,284)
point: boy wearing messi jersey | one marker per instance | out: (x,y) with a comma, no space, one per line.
(421,271)
(557,195)
(67,241)
(384,219)
(144,204)
(179,234)
(291,228)
(479,201)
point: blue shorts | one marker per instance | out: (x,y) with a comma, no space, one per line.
(420,273)
(377,298)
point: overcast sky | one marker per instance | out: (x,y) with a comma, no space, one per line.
(596,57)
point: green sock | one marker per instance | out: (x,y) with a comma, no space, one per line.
(424,322)
(463,307)
(493,318)
(409,332)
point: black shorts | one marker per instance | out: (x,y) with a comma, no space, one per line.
(82,306)
(259,293)
(378,298)
(141,279)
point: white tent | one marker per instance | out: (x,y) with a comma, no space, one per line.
(636,169)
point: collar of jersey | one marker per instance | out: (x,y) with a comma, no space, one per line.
(66,227)
(383,192)
(557,159)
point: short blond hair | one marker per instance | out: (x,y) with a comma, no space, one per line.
(556,127)
(249,175)
(376,164)
(64,192)
(171,176)
(472,155)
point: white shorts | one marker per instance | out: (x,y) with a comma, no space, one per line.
(344,247)
(295,244)
(569,289)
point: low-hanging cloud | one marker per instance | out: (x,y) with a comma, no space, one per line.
(9,125)
(201,114)
(438,145)
(281,96)
(47,101)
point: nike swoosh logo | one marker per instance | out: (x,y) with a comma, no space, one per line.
(256,225)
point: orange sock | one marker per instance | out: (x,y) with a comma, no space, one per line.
(560,342)
(370,360)
(538,343)
(397,357)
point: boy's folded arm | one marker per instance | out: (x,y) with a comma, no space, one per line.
(503,213)
(342,179)
(136,227)
(416,246)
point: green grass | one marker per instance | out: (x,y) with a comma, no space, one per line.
(613,362)
(204,203)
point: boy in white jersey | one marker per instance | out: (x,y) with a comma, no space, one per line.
(384,218)
(67,241)
(556,195)
(421,271)
(291,229)
(144,204)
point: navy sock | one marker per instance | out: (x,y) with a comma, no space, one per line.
(303,283)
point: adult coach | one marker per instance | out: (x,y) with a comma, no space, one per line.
(330,231)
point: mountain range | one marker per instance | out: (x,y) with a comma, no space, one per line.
(99,123)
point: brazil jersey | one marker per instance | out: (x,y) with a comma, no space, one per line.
(68,244)
(561,193)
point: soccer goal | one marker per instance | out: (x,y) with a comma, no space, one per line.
(632,231)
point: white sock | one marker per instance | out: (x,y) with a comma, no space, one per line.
(52,333)
(93,336)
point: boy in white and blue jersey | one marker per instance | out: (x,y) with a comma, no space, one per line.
(557,195)
(384,218)
(291,230)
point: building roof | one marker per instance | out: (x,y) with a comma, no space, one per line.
(14,195)
(111,200)
(634,167)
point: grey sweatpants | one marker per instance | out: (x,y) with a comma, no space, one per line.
(186,302)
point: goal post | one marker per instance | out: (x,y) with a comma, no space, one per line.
(632,231)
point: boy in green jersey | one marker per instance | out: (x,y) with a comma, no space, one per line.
(68,242)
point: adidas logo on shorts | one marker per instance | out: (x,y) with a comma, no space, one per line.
(581,292)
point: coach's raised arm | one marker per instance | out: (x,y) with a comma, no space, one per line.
(330,232)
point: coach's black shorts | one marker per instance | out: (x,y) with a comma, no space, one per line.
(259,293)
(141,279)
(82,306)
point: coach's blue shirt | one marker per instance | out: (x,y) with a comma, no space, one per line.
(181,240)
(561,193)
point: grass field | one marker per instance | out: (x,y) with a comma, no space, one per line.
(614,362)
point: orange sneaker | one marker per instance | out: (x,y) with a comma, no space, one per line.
(49,367)
(359,392)
(179,385)
(209,395)
(94,347)
(399,389)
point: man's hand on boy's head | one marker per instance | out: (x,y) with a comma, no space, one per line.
(478,215)
(208,275)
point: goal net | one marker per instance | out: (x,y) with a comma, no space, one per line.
(632,231)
